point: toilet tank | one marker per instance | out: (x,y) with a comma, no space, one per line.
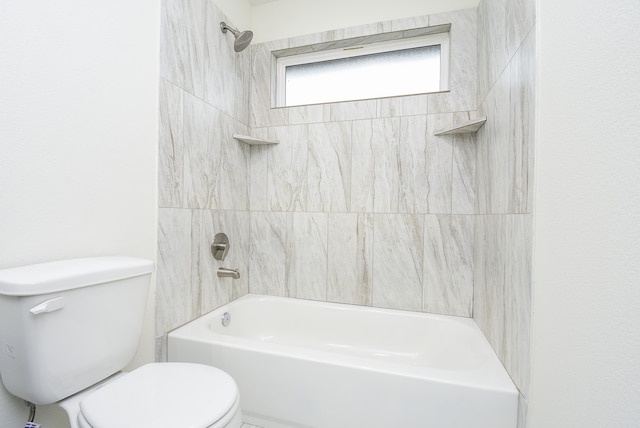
(68,324)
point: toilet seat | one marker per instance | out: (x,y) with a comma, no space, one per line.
(163,395)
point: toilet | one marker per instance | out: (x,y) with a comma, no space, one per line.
(68,328)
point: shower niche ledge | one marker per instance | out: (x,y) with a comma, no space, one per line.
(253,141)
(467,127)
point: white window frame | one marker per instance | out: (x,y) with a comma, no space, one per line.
(441,39)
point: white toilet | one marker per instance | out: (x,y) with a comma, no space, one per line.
(67,328)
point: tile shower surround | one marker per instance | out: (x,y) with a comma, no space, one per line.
(203,172)
(306,195)
(504,184)
(359,203)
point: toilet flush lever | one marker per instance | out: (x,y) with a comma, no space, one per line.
(48,306)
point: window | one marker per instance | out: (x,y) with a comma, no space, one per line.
(408,66)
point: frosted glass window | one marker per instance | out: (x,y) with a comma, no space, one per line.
(385,74)
(382,65)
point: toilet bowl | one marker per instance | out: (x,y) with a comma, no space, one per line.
(68,328)
(159,395)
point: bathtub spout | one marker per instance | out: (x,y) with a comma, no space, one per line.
(228,273)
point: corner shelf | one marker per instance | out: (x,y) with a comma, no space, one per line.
(463,128)
(253,141)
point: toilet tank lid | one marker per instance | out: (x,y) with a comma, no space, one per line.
(52,277)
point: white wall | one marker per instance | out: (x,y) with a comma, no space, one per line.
(288,18)
(78,136)
(586,320)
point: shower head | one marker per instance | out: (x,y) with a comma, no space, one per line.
(243,38)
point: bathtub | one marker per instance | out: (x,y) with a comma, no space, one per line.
(302,363)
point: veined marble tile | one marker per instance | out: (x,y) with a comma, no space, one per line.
(171,147)
(329,167)
(439,161)
(414,186)
(375,175)
(502,289)
(243,82)
(223,69)
(361,35)
(258,189)
(216,291)
(403,106)
(287,168)
(267,254)
(364,34)
(484,68)
(362,166)
(182,43)
(362,30)
(522,127)
(202,141)
(448,264)
(161,349)
(425,165)
(489,279)
(307,255)
(260,111)
(397,261)
(520,19)
(409,23)
(354,36)
(464,168)
(517,298)
(353,110)
(492,39)
(307,40)
(523,407)
(305,44)
(177,298)
(194,11)
(493,179)
(463,75)
(309,114)
(232,185)
(350,252)
(196,279)
(482,164)
(386,175)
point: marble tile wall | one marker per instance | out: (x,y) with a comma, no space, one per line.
(203,172)
(502,254)
(359,202)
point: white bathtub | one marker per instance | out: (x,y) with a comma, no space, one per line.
(301,363)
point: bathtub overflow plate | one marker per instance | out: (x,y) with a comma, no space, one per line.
(226,319)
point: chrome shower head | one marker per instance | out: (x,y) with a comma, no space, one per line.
(243,38)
